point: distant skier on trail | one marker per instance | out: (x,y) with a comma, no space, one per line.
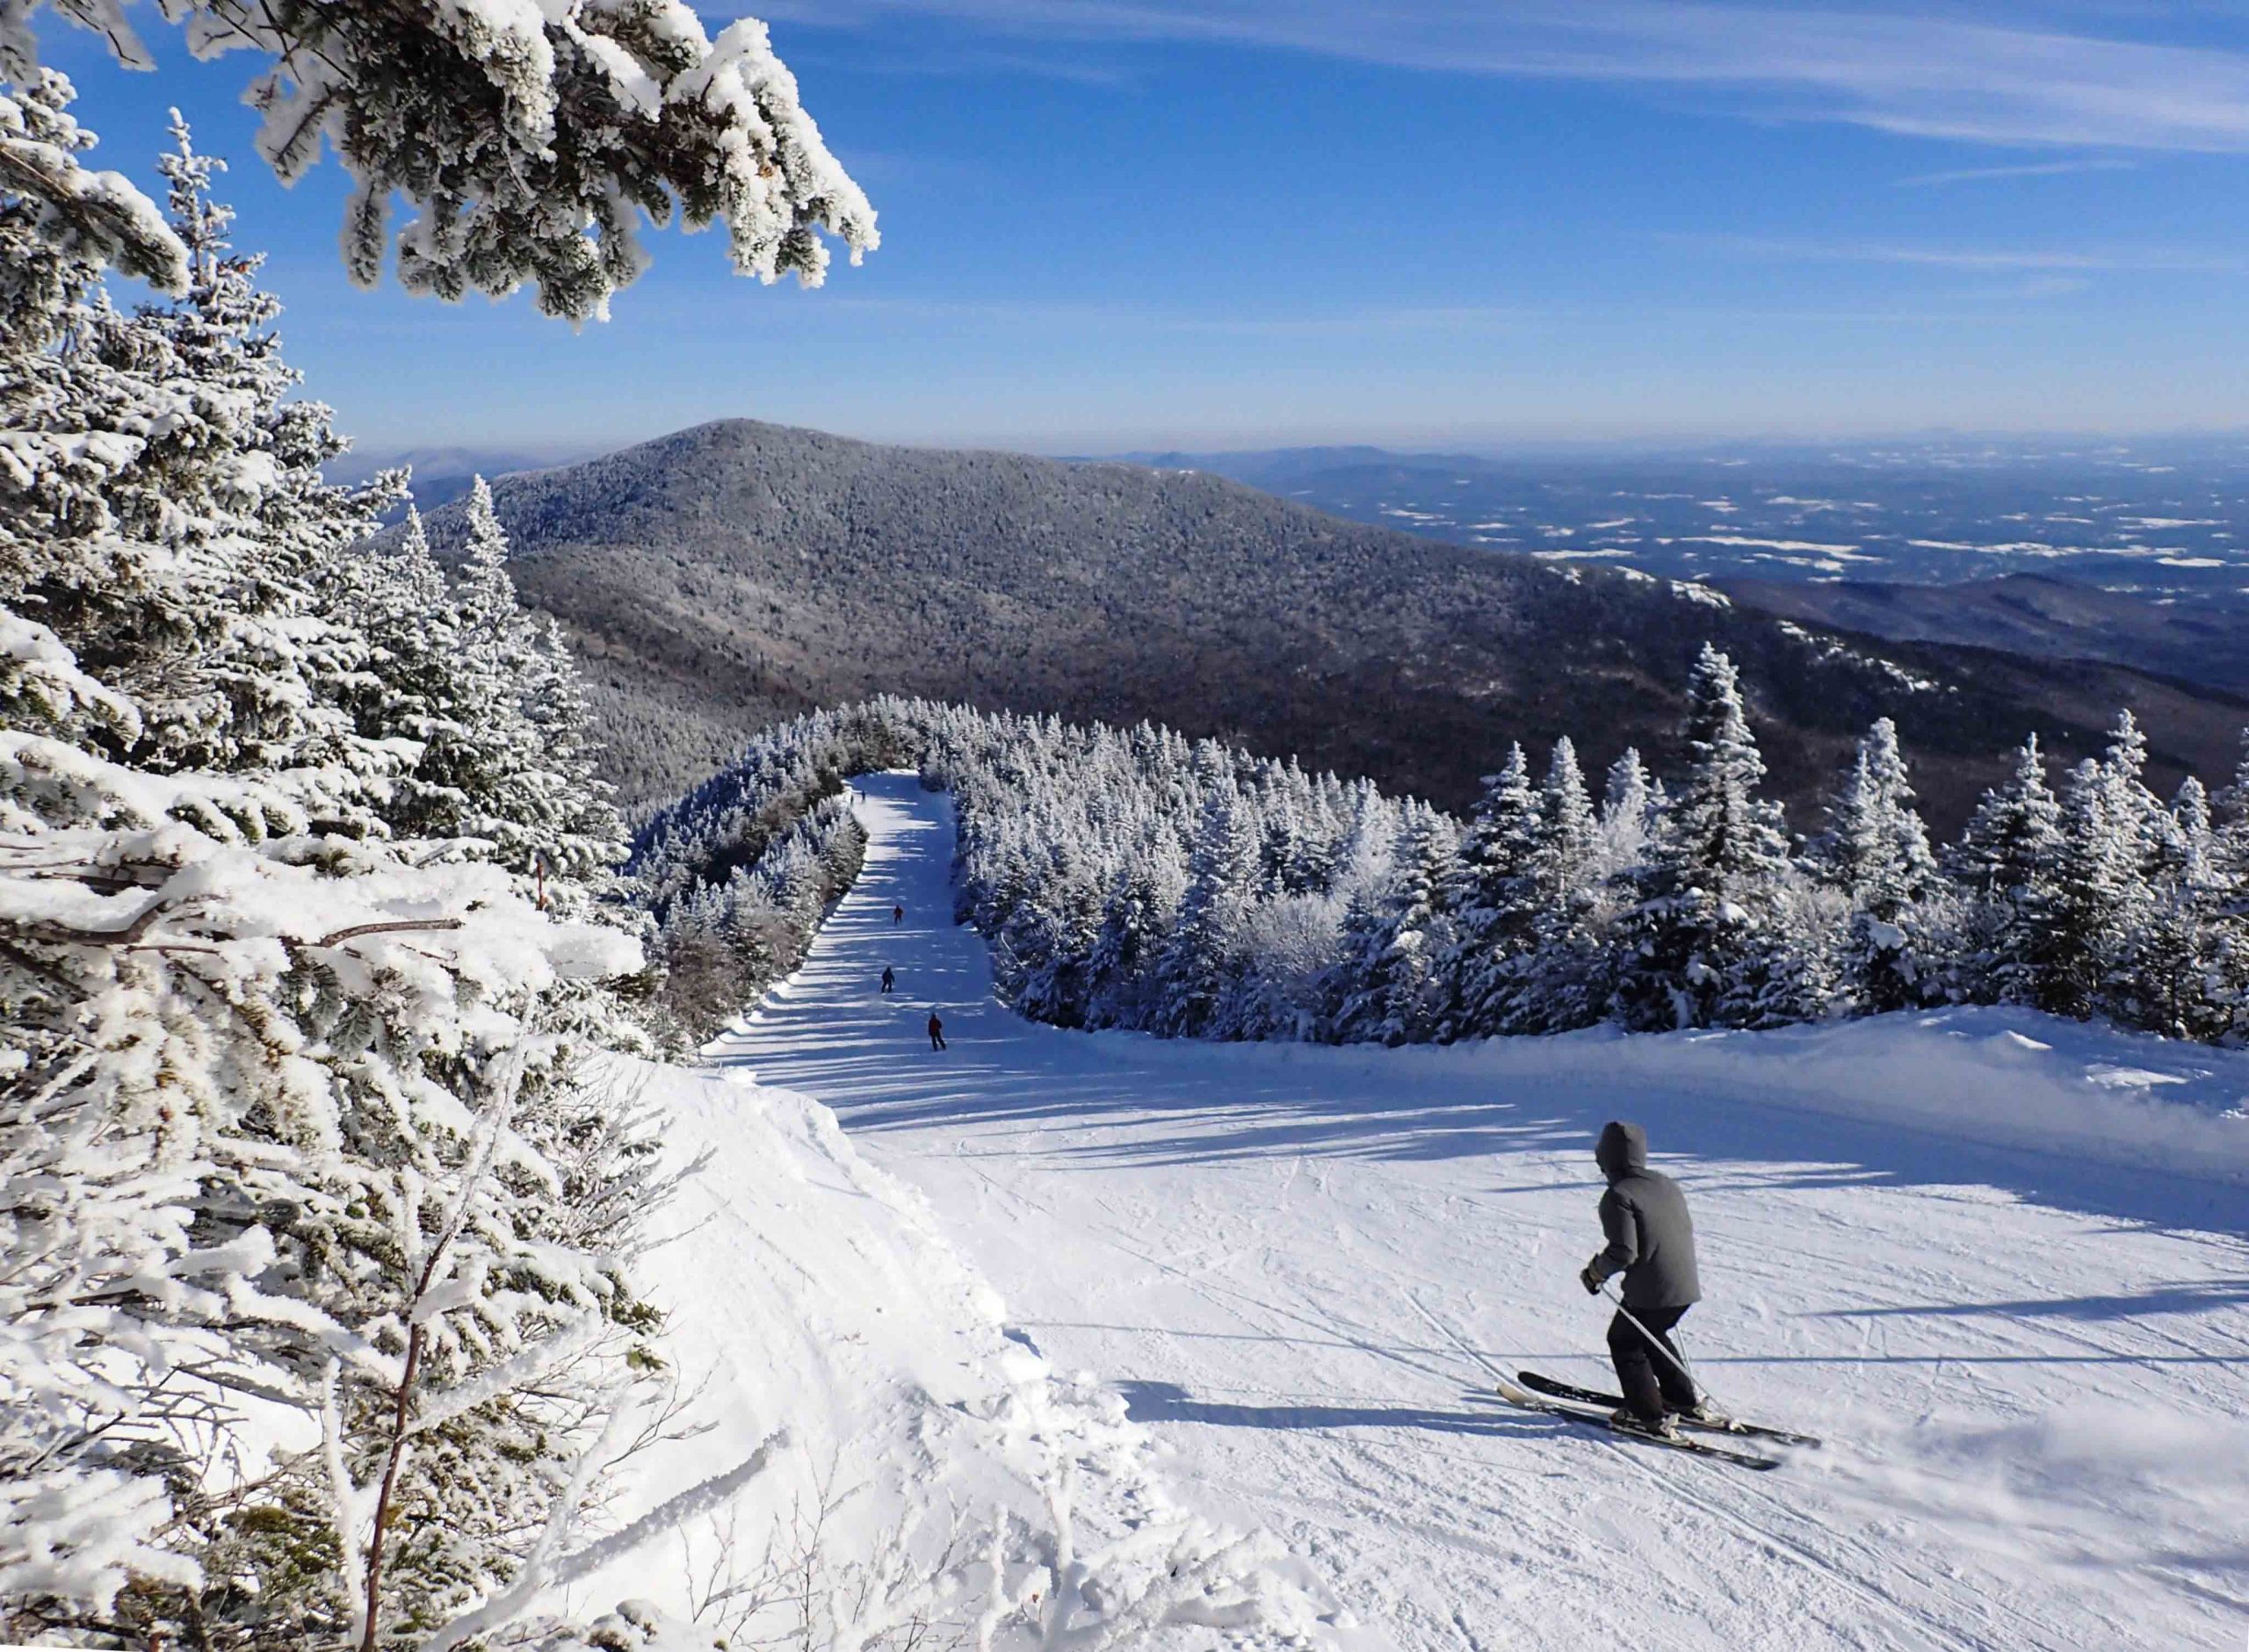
(1652,1244)
(937,1032)
(889,978)
(897,915)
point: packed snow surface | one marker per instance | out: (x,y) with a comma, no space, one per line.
(1998,1260)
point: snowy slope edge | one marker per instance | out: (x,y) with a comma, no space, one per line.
(2008,1078)
(2002,1077)
(928,1439)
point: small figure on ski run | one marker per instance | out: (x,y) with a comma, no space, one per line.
(897,915)
(937,1032)
(889,978)
(1652,1244)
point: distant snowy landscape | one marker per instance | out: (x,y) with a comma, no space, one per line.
(1996,1259)
(2161,517)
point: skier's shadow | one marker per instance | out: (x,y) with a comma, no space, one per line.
(1168,1402)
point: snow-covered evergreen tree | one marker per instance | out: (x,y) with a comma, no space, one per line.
(1875,855)
(298,1119)
(2178,962)
(498,704)
(2008,865)
(1199,961)
(1707,945)
(128,507)
(457,113)
(1396,987)
(1631,812)
(1564,982)
(1497,903)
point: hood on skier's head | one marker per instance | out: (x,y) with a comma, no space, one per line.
(1623,1148)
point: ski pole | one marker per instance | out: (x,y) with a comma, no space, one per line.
(1679,1360)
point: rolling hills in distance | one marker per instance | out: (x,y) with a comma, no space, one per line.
(728,575)
(2134,553)
(2161,519)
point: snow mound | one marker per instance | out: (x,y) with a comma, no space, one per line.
(2003,1077)
(937,1469)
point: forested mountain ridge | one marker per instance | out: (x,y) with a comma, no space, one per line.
(726,575)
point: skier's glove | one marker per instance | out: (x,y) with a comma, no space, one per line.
(1590,1276)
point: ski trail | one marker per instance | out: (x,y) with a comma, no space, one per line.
(1290,1261)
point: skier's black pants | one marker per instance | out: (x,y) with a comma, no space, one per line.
(1650,1379)
(937,1041)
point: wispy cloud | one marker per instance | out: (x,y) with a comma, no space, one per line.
(1988,174)
(2031,77)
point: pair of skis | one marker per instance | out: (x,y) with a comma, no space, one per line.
(1592,1407)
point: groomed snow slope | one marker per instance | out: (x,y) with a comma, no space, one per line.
(1937,1241)
(809,1294)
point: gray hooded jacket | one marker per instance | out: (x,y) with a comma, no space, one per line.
(1644,1215)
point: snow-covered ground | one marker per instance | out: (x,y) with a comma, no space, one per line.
(912,1439)
(1947,1243)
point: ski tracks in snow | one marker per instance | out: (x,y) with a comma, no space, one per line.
(1300,1267)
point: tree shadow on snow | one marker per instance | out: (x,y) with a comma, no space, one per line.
(2181,1296)
(1152,1401)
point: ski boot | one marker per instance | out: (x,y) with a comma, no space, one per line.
(1627,1421)
(1705,1415)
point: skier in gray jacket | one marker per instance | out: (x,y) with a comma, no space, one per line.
(1652,1244)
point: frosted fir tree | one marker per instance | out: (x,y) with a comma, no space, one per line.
(1420,995)
(139,519)
(1355,993)
(2178,970)
(2229,825)
(1562,983)
(457,113)
(1875,855)
(1049,940)
(65,222)
(1497,901)
(291,563)
(1570,839)
(91,540)
(1391,983)
(1631,812)
(588,840)
(245,1045)
(1706,945)
(397,601)
(514,741)
(2008,866)
(1200,963)
(1723,836)
(2100,859)
(1139,915)
(2117,840)
(301,1048)
(491,615)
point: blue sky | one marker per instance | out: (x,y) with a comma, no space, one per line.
(1124,223)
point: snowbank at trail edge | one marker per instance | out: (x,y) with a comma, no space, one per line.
(808,1291)
(1999,1077)
(1996,1077)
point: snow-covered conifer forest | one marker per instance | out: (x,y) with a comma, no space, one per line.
(320,1173)
(1137,879)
